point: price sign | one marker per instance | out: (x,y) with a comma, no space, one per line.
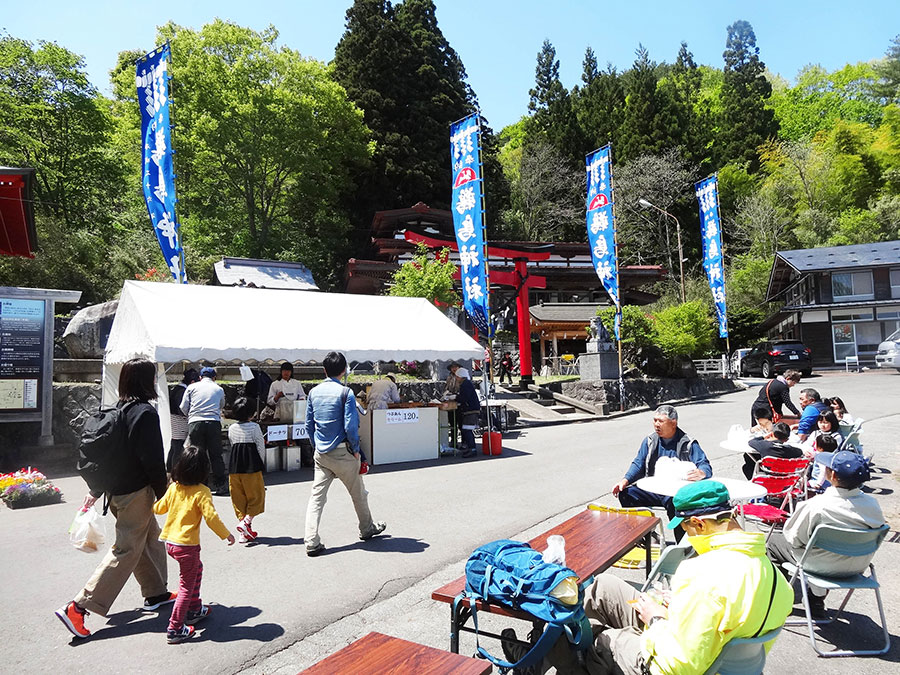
(298,431)
(278,433)
(403,416)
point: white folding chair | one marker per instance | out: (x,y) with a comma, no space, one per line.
(844,541)
(743,656)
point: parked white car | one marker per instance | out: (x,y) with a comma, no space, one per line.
(888,355)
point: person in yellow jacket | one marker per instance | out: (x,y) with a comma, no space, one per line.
(730,590)
(186,502)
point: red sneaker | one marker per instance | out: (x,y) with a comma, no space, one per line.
(73,618)
(363,468)
(245,532)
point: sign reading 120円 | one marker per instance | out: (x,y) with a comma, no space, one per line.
(403,416)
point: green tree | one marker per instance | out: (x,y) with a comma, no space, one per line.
(550,108)
(598,104)
(636,330)
(52,119)
(685,330)
(650,123)
(888,85)
(266,145)
(692,114)
(820,99)
(428,276)
(747,120)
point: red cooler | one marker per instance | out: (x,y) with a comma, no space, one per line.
(492,443)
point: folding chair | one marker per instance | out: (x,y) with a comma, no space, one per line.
(844,541)
(851,439)
(743,656)
(784,479)
(668,562)
(636,556)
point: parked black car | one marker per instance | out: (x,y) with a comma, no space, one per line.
(777,356)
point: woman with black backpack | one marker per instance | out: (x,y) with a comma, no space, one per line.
(133,477)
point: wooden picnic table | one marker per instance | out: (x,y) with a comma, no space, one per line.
(378,654)
(594,541)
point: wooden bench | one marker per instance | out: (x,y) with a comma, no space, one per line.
(377,654)
(594,541)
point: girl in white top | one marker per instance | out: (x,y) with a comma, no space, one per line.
(245,468)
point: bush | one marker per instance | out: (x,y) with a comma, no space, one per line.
(685,330)
(637,329)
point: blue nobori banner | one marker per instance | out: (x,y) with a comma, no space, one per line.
(465,154)
(158,172)
(713,262)
(601,226)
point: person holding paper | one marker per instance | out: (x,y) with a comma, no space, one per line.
(284,392)
(667,440)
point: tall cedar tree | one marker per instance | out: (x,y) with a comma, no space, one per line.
(747,122)
(649,124)
(370,63)
(599,103)
(888,71)
(550,106)
(683,85)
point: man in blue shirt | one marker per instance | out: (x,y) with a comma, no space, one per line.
(668,440)
(812,406)
(332,422)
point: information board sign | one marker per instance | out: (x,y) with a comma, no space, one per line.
(21,353)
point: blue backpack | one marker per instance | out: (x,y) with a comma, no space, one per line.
(512,574)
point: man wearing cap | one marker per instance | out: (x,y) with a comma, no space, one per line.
(203,403)
(730,590)
(668,440)
(382,393)
(843,504)
(468,409)
(284,392)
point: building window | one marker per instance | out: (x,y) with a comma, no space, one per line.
(852,315)
(852,286)
(895,283)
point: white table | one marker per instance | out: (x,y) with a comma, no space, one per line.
(739,490)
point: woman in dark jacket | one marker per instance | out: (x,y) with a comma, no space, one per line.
(137,478)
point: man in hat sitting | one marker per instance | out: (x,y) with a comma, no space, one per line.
(730,590)
(843,504)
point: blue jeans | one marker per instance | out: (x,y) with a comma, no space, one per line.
(633,496)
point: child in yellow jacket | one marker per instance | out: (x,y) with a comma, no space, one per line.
(187,501)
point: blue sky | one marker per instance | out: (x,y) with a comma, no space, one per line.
(498,40)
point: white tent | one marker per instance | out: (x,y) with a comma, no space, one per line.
(167,323)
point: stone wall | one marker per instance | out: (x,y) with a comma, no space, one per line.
(650,392)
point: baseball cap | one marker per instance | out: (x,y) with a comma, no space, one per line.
(206,371)
(852,469)
(701,498)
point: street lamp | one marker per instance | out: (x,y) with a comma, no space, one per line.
(647,205)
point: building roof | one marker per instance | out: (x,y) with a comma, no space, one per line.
(264,274)
(564,312)
(790,264)
(839,257)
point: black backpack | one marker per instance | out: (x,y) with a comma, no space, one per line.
(104,434)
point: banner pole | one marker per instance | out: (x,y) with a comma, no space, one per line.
(618,318)
(487,291)
(722,238)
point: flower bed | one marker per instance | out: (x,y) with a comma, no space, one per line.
(27,487)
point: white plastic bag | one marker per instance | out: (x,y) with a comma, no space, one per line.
(556,550)
(88,531)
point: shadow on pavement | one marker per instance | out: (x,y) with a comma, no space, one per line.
(851,631)
(382,544)
(275,541)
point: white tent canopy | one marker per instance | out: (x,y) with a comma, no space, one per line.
(172,322)
(167,323)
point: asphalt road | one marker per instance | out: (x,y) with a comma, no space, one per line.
(277,611)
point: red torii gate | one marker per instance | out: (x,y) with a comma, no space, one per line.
(519,279)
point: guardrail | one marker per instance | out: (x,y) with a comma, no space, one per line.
(720,367)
